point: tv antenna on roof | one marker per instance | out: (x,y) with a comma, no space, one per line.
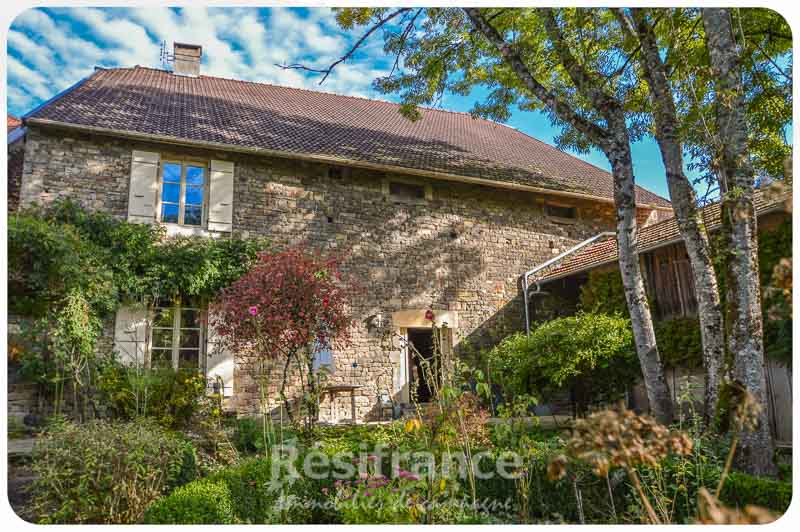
(164,56)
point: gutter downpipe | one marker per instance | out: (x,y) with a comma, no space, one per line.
(525,287)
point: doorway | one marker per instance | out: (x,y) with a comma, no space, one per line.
(424,366)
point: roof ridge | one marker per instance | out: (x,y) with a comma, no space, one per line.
(303,89)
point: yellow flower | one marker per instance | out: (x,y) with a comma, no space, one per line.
(412,425)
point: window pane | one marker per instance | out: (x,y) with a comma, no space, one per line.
(172,173)
(192,215)
(190,338)
(194,175)
(163,317)
(169,213)
(190,318)
(162,338)
(189,359)
(161,358)
(194,195)
(171,192)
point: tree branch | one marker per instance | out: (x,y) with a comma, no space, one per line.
(403,38)
(584,81)
(561,109)
(350,52)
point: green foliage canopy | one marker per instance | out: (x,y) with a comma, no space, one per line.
(593,352)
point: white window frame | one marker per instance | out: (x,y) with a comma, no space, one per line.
(176,336)
(184,163)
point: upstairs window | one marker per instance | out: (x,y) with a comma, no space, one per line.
(177,336)
(561,211)
(183,193)
(402,190)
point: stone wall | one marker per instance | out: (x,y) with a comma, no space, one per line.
(463,250)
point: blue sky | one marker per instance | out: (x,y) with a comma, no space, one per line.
(51,49)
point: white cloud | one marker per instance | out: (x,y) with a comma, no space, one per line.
(53,49)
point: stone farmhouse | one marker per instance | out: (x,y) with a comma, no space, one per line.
(443,214)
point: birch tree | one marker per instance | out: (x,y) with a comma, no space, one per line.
(638,26)
(743,296)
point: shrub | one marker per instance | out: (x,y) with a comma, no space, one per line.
(248,436)
(741,489)
(170,397)
(591,353)
(248,484)
(201,502)
(253,498)
(105,472)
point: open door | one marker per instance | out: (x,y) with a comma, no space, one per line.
(425,374)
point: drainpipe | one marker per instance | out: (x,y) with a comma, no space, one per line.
(526,287)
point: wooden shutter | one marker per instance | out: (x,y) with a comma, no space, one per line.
(219,362)
(220,201)
(130,334)
(143,193)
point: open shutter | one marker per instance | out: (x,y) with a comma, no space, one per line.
(130,334)
(143,187)
(220,201)
(219,363)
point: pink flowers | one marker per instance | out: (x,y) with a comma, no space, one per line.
(253,310)
(402,473)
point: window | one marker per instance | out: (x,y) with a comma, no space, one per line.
(560,211)
(183,187)
(177,336)
(402,190)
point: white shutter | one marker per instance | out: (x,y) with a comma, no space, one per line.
(220,201)
(143,191)
(130,334)
(219,363)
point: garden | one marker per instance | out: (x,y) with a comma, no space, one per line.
(117,443)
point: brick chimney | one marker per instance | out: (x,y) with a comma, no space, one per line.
(187,59)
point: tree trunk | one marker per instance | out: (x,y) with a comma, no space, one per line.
(615,142)
(658,393)
(743,294)
(687,214)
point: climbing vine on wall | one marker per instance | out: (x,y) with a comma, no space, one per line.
(679,339)
(69,269)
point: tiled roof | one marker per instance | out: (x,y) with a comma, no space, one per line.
(650,237)
(308,123)
(12,123)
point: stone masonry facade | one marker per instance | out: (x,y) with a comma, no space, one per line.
(461,250)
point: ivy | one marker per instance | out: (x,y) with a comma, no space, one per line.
(63,247)
(679,339)
(603,293)
(679,342)
(69,270)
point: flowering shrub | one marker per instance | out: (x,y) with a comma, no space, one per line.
(287,306)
